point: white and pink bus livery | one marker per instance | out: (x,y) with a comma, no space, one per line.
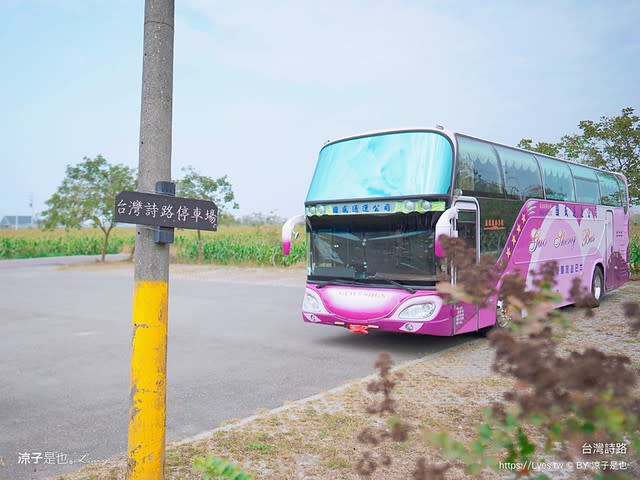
(378,203)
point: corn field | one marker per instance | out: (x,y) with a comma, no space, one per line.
(230,250)
(55,246)
(239,245)
(231,245)
(634,255)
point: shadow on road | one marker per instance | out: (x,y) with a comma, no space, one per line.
(396,343)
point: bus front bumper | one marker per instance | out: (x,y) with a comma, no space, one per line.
(440,326)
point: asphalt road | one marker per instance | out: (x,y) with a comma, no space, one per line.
(233,347)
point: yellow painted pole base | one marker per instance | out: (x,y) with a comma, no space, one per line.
(147,401)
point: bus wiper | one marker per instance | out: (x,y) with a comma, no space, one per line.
(340,281)
(398,284)
(394,282)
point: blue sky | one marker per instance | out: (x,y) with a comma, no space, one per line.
(259,86)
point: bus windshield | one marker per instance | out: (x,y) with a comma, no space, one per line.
(384,165)
(376,249)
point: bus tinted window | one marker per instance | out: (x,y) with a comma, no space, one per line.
(622,186)
(478,170)
(587,191)
(609,190)
(558,182)
(521,174)
(583,172)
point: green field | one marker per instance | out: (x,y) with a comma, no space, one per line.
(230,245)
(239,245)
(30,243)
(634,250)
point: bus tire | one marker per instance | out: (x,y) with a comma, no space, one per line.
(597,286)
(503,320)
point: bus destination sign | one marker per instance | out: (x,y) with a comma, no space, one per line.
(165,211)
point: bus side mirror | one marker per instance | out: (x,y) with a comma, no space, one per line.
(287,230)
(445,226)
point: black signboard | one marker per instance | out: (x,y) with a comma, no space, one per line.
(166,211)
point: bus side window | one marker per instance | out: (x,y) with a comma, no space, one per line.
(609,190)
(622,188)
(467,228)
(521,174)
(587,188)
(558,180)
(587,191)
(478,168)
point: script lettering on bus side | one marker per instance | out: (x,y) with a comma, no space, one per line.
(562,240)
(587,237)
(537,241)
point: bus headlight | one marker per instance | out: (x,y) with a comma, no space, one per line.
(311,303)
(420,311)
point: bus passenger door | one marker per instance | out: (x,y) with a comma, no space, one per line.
(609,274)
(468,224)
(467,316)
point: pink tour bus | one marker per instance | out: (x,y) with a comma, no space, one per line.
(378,203)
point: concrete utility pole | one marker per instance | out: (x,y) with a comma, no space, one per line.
(146,446)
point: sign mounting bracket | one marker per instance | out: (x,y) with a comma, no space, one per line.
(164,235)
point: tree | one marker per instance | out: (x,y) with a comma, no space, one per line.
(259,218)
(219,191)
(612,143)
(552,149)
(88,193)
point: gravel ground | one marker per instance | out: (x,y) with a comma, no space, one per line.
(315,438)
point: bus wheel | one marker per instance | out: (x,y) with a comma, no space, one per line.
(502,320)
(597,286)
(502,317)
